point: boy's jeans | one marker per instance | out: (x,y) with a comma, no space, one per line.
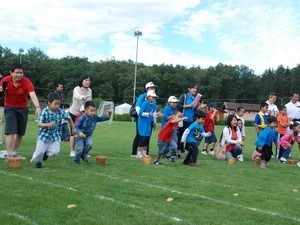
(285,153)
(83,146)
(237,150)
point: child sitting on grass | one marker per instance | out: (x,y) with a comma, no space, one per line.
(50,124)
(192,135)
(166,138)
(264,141)
(85,126)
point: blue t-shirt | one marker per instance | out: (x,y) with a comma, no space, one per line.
(266,137)
(195,132)
(188,112)
(167,111)
(145,123)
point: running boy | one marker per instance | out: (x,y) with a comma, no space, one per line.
(166,138)
(50,124)
(85,126)
(211,118)
(265,139)
(192,135)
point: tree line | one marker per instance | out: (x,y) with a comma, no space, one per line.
(112,80)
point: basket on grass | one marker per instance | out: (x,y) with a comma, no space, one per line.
(147,160)
(232,160)
(14,162)
(292,161)
(257,160)
(101,160)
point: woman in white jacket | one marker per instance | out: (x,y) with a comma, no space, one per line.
(232,138)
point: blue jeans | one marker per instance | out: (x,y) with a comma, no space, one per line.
(65,132)
(285,153)
(84,145)
(236,150)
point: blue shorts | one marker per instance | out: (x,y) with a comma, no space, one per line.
(211,139)
(164,147)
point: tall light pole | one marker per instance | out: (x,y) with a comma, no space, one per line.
(21,50)
(137,33)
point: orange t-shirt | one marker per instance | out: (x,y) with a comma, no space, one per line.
(282,119)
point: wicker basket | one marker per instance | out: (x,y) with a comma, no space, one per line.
(292,161)
(257,160)
(14,162)
(147,160)
(232,160)
(101,160)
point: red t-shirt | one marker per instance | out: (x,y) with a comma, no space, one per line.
(209,124)
(166,132)
(17,97)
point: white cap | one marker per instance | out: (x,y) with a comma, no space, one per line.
(149,85)
(172,99)
(151,93)
(81,108)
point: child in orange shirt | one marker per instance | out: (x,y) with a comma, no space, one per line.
(283,122)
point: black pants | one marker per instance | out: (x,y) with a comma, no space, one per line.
(192,155)
(180,133)
(266,153)
(136,140)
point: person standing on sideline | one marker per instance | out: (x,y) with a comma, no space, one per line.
(50,124)
(239,113)
(60,91)
(16,110)
(150,86)
(261,118)
(185,103)
(272,109)
(81,94)
(293,108)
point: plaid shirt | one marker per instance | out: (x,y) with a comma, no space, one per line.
(51,134)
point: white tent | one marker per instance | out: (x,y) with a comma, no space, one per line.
(121,109)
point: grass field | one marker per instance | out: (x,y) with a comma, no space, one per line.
(125,191)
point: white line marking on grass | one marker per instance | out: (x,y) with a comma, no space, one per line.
(96,196)
(176,219)
(39,181)
(20,217)
(262,211)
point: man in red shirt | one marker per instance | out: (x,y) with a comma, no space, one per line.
(16,89)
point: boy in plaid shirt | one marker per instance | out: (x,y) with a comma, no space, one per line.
(50,124)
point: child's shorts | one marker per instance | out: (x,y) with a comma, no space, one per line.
(143,141)
(164,147)
(211,139)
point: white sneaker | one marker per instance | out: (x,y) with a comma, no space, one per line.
(298,164)
(240,158)
(211,152)
(282,159)
(72,153)
(204,152)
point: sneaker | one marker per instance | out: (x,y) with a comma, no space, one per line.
(84,158)
(240,158)
(72,153)
(263,166)
(134,156)
(272,156)
(298,164)
(172,159)
(156,162)
(178,156)
(139,156)
(211,153)
(76,162)
(255,154)
(204,152)
(282,159)
(38,164)
(193,164)
(45,156)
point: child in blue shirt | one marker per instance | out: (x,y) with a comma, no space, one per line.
(50,124)
(192,135)
(147,115)
(168,111)
(85,126)
(265,139)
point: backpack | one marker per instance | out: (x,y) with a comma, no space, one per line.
(132,111)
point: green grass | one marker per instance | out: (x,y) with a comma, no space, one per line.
(125,191)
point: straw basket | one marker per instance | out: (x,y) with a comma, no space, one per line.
(14,162)
(257,160)
(292,161)
(147,160)
(232,160)
(101,160)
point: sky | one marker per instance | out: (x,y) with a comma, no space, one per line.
(259,34)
